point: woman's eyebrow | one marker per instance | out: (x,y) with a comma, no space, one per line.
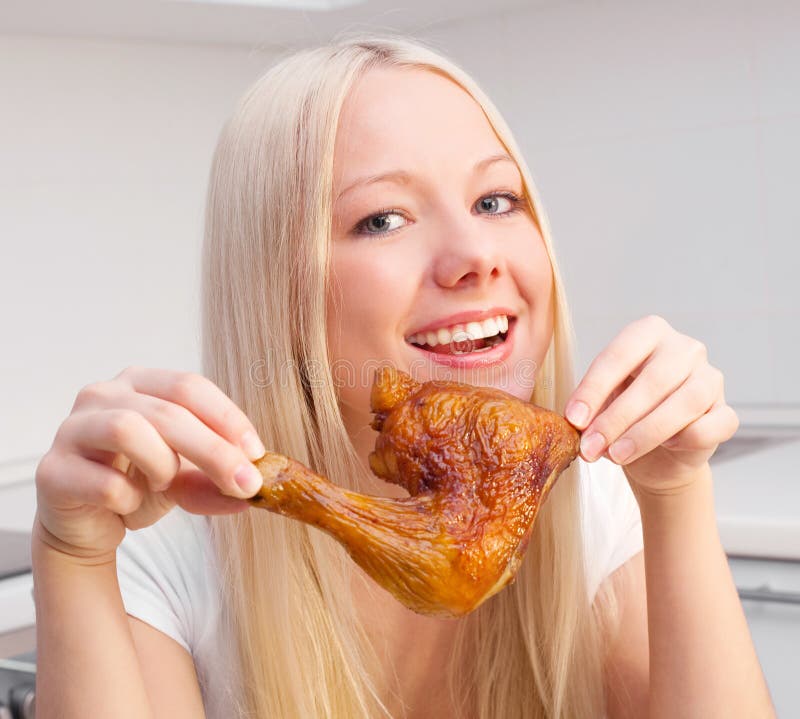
(403,177)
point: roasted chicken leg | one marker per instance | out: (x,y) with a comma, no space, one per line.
(477,463)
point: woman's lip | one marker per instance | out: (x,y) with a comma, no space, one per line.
(499,353)
(462,318)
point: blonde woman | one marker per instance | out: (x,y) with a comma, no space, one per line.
(317,266)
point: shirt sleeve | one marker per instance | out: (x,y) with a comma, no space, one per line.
(159,569)
(611,520)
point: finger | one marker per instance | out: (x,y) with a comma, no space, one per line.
(126,432)
(98,395)
(616,392)
(688,403)
(716,426)
(182,430)
(620,359)
(196,493)
(609,400)
(225,463)
(153,506)
(80,481)
(661,375)
(203,399)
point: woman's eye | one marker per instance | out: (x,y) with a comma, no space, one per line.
(490,203)
(378,224)
(497,204)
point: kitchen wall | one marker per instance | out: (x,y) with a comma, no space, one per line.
(106,148)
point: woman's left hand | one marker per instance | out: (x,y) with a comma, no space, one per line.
(655,406)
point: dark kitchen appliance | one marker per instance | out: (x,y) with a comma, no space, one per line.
(18,673)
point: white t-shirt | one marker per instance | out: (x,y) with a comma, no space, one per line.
(168,573)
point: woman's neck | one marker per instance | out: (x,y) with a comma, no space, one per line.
(413,651)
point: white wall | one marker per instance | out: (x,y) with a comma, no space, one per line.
(106,148)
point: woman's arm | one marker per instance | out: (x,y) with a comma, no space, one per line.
(652,403)
(91,657)
(683,647)
(129,451)
(85,657)
(169,673)
(702,659)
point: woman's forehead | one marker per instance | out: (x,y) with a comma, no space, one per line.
(397,118)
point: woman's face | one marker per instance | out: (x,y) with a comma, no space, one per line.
(428,259)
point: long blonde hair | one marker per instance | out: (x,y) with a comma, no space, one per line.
(534,650)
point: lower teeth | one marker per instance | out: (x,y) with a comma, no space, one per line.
(472,352)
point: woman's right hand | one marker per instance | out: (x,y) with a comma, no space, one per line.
(132,448)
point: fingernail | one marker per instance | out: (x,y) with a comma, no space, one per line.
(621,450)
(252,446)
(592,445)
(578,413)
(248,478)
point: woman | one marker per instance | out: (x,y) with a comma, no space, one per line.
(316,269)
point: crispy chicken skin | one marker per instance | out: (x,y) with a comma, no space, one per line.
(477,463)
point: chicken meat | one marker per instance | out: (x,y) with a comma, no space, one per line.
(477,463)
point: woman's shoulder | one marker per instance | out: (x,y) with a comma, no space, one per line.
(179,542)
(167,575)
(604,484)
(173,532)
(611,522)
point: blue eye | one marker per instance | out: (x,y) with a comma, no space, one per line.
(493,201)
(384,225)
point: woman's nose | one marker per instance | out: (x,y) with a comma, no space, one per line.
(467,258)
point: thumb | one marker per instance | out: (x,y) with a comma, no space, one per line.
(191,489)
(154,504)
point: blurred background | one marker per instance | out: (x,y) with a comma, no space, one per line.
(663,138)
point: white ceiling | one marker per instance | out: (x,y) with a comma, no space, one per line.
(232,22)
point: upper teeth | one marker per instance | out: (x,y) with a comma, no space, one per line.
(460,333)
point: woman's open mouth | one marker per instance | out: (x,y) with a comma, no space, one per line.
(471,338)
